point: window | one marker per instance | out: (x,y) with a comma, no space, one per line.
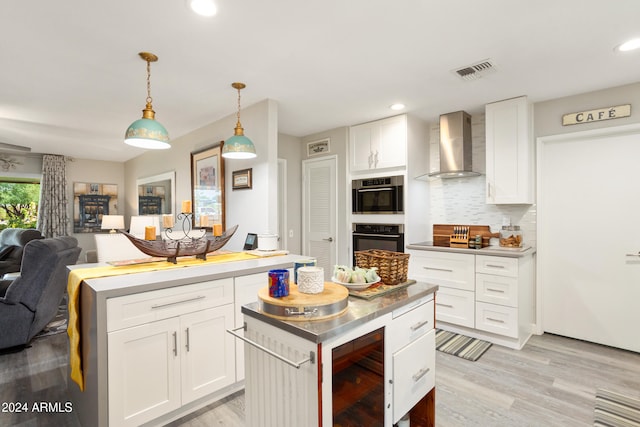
(19,198)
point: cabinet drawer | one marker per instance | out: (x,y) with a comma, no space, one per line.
(500,266)
(455,306)
(413,373)
(444,269)
(409,326)
(498,319)
(497,289)
(136,309)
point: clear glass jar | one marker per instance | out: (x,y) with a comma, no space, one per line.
(511,236)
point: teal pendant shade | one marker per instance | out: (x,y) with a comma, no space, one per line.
(147,133)
(238,147)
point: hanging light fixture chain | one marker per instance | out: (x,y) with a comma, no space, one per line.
(238,114)
(149,99)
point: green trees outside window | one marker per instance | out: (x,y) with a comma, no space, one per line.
(19,205)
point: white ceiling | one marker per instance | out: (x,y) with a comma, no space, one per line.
(71,80)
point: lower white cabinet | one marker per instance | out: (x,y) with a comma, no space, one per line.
(486,296)
(158,366)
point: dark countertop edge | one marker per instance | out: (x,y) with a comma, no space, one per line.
(342,325)
(489,250)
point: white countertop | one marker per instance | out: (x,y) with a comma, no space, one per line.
(489,250)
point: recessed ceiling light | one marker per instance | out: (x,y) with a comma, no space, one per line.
(628,45)
(203,7)
(397,107)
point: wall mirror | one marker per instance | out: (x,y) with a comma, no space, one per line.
(156,194)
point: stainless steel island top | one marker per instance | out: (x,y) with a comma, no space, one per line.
(359,311)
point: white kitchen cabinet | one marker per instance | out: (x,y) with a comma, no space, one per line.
(509,152)
(377,145)
(484,296)
(454,273)
(168,348)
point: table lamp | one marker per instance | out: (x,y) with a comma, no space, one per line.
(112,222)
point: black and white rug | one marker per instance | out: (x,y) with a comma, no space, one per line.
(614,409)
(459,345)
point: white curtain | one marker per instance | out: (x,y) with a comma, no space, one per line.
(53,219)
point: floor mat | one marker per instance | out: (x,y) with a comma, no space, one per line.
(613,409)
(459,345)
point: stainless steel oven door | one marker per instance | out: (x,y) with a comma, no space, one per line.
(389,237)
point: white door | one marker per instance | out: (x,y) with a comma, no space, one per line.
(588,235)
(320,212)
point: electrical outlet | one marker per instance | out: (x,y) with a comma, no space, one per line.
(290,233)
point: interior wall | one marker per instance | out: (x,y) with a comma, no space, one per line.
(290,149)
(260,124)
(93,171)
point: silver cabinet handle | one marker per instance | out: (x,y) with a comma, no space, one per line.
(178,302)
(489,190)
(638,254)
(496,290)
(419,325)
(495,266)
(310,359)
(439,269)
(444,305)
(495,320)
(421,373)
(187,340)
(175,343)
(330,239)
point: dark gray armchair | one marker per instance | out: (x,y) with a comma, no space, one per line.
(12,242)
(31,301)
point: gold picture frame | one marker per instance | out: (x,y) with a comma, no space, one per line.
(242,179)
(207,187)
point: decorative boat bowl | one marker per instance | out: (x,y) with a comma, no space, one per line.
(172,249)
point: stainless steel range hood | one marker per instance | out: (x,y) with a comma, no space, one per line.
(455,146)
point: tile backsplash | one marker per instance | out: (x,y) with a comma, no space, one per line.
(462,200)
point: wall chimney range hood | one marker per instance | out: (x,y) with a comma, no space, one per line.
(455,146)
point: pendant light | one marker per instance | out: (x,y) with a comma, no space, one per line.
(238,146)
(147,132)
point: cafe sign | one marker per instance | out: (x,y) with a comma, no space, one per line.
(600,114)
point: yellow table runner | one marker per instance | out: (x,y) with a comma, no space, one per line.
(78,275)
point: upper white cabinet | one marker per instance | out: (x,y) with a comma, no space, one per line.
(509,152)
(379,144)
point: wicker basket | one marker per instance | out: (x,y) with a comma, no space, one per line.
(392,266)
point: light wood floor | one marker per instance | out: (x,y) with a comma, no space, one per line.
(551,382)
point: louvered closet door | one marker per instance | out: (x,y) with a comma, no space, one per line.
(320,217)
(589,238)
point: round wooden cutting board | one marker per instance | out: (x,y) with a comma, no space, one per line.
(297,306)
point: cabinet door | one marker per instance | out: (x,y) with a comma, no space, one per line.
(208,352)
(361,138)
(144,372)
(413,376)
(509,156)
(391,148)
(455,306)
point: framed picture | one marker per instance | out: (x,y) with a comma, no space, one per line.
(90,202)
(207,187)
(241,179)
(318,147)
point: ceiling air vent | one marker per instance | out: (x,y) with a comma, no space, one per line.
(475,71)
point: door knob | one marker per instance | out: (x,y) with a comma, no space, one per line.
(330,239)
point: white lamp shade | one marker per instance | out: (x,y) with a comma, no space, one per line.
(112,222)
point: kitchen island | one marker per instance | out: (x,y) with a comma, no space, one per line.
(154,344)
(374,363)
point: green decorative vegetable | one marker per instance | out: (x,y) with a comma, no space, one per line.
(345,274)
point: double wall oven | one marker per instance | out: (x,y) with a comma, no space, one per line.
(371,199)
